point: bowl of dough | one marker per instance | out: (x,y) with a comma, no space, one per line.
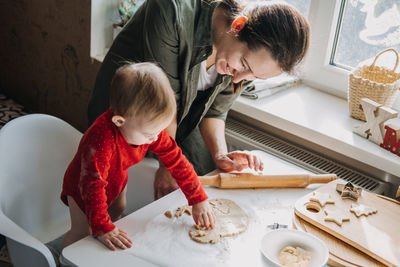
(290,248)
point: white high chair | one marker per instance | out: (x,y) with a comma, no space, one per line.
(35,151)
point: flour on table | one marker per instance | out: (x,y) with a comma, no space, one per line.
(230,220)
(165,241)
(248,170)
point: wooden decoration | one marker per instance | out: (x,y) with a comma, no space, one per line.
(391,140)
(376,115)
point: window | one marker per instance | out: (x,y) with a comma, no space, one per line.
(103,14)
(302,5)
(370,26)
(345,33)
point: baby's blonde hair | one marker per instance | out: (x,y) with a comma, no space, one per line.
(142,90)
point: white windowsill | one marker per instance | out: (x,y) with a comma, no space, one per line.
(320,118)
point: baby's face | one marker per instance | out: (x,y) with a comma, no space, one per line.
(139,131)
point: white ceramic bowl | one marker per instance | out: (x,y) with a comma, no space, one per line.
(276,240)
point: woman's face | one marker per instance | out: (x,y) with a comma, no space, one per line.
(236,59)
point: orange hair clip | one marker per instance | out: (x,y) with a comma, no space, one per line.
(238,24)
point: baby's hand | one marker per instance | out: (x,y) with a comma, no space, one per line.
(116,237)
(203,214)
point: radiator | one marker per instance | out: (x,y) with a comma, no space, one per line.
(240,136)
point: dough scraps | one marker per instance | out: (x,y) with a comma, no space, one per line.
(182,210)
(336,216)
(322,198)
(168,214)
(230,220)
(294,257)
(359,210)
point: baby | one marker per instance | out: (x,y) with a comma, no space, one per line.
(94,188)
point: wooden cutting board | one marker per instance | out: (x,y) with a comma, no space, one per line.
(340,253)
(377,235)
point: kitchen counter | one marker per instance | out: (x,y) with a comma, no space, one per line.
(158,240)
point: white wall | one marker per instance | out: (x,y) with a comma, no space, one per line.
(104,13)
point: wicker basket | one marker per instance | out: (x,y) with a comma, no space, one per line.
(379,84)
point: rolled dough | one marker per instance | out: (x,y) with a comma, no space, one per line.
(230,220)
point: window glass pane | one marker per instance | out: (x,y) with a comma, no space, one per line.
(368,26)
(302,5)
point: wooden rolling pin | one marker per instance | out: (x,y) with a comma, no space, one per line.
(249,180)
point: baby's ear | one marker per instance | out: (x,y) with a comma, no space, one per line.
(118,120)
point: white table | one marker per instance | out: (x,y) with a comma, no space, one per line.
(158,240)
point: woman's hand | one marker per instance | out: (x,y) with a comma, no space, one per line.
(116,238)
(203,214)
(164,183)
(238,160)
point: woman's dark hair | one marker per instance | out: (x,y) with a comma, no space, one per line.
(274,25)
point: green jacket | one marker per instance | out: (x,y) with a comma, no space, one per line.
(176,34)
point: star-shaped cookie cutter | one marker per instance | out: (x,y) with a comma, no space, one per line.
(349,191)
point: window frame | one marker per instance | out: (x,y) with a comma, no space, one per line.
(103,15)
(316,70)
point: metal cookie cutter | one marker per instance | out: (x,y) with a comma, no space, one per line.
(277,226)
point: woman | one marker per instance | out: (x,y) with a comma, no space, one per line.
(207,48)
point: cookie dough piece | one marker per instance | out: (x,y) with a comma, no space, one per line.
(294,257)
(182,210)
(230,220)
(360,210)
(322,198)
(336,216)
(168,214)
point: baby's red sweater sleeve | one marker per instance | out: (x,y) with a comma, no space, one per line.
(95,158)
(180,168)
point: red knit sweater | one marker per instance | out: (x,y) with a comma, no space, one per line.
(98,172)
